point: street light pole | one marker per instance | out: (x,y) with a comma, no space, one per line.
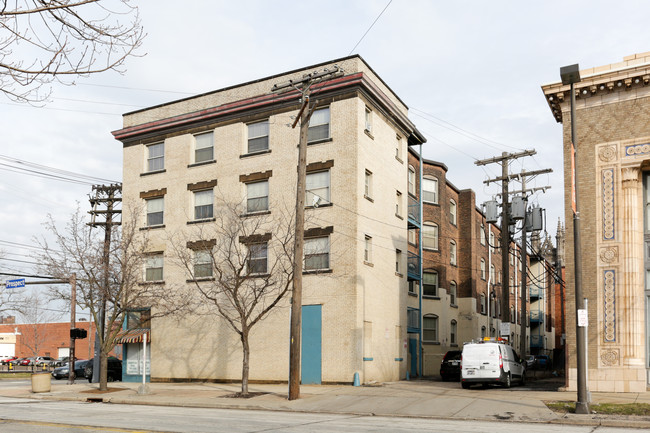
(571,75)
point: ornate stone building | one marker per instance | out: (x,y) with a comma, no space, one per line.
(613,156)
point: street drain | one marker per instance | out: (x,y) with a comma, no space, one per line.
(95,400)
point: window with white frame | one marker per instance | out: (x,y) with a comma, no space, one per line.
(154,267)
(411,180)
(430,283)
(367,249)
(257,258)
(155,211)
(412,236)
(317,253)
(398,147)
(368,120)
(430,328)
(452,253)
(452,212)
(319,125)
(453,331)
(257,196)
(453,292)
(317,188)
(202,264)
(368,184)
(398,203)
(398,261)
(156,157)
(258,136)
(492,244)
(430,236)
(482,234)
(512,286)
(204,147)
(430,190)
(482,269)
(203,204)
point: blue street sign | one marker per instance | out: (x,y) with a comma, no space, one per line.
(14,284)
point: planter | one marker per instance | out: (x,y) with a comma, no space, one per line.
(41,382)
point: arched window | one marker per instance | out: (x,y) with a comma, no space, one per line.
(430,235)
(430,328)
(452,253)
(430,190)
(452,212)
(453,292)
(453,332)
(482,303)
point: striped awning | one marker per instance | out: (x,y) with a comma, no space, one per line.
(133,336)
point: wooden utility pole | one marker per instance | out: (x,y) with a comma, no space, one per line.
(303,86)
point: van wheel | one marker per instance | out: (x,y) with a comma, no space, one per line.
(508,381)
(465,385)
(523,379)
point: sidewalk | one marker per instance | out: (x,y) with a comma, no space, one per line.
(419,398)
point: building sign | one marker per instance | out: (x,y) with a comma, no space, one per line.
(134,359)
(7,338)
(504,329)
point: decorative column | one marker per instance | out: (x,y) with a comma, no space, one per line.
(633,302)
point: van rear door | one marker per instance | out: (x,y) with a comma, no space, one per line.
(481,361)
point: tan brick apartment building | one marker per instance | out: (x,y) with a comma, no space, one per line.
(613,157)
(362,296)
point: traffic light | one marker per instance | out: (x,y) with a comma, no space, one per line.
(78,333)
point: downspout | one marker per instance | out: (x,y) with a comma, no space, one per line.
(490,282)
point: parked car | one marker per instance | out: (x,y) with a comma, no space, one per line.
(450,366)
(40,361)
(529,362)
(491,361)
(63,372)
(62,360)
(114,370)
(8,360)
(15,361)
(542,362)
(27,361)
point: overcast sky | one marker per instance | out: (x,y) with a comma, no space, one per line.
(470,72)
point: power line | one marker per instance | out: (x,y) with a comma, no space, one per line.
(373,23)
(38,170)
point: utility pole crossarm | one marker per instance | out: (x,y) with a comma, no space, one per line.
(519,176)
(505,157)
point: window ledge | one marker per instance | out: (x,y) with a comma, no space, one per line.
(198,280)
(431,203)
(322,140)
(261,152)
(319,206)
(453,345)
(159,226)
(197,164)
(398,274)
(412,294)
(453,305)
(252,214)
(369,134)
(437,250)
(399,216)
(147,173)
(317,271)
(368,198)
(372,265)
(207,220)
(157,283)
(435,298)
(366,358)
(435,343)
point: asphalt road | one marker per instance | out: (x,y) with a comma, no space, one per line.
(26,415)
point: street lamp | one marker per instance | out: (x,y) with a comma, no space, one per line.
(571,75)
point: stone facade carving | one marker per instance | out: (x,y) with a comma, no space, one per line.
(609,301)
(610,357)
(607,153)
(637,149)
(609,254)
(608,204)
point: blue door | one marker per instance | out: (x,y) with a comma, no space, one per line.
(311,344)
(413,351)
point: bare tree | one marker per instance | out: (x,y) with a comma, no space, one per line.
(80,250)
(241,266)
(35,314)
(46,40)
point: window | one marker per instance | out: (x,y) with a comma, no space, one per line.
(430,190)
(154,268)
(512,314)
(257,196)
(482,269)
(452,212)
(483,306)
(318,188)
(483,332)
(319,125)
(492,241)
(367,249)
(398,203)
(257,258)
(156,157)
(482,234)
(430,236)
(398,147)
(452,253)
(512,286)
(414,286)
(258,136)
(138,319)
(368,120)
(155,211)
(453,293)
(430,328)
(204,147)
(430,284)
(398,260)
(368,184)
(453,331)
(412,237)
(411,180)
(493,273)
(202,264)
(203,205)
(317,253)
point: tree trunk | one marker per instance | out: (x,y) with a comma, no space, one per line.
(245,363)
(103,370)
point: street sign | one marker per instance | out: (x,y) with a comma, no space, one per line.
(14,284)
(583,318)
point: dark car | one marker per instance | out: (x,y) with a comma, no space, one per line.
(542,362)
(450,366)
(63,372)
(114,370)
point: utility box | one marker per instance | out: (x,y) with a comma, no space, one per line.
(491,211)
(536,218)
(518,208)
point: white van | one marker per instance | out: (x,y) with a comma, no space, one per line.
(491,361)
